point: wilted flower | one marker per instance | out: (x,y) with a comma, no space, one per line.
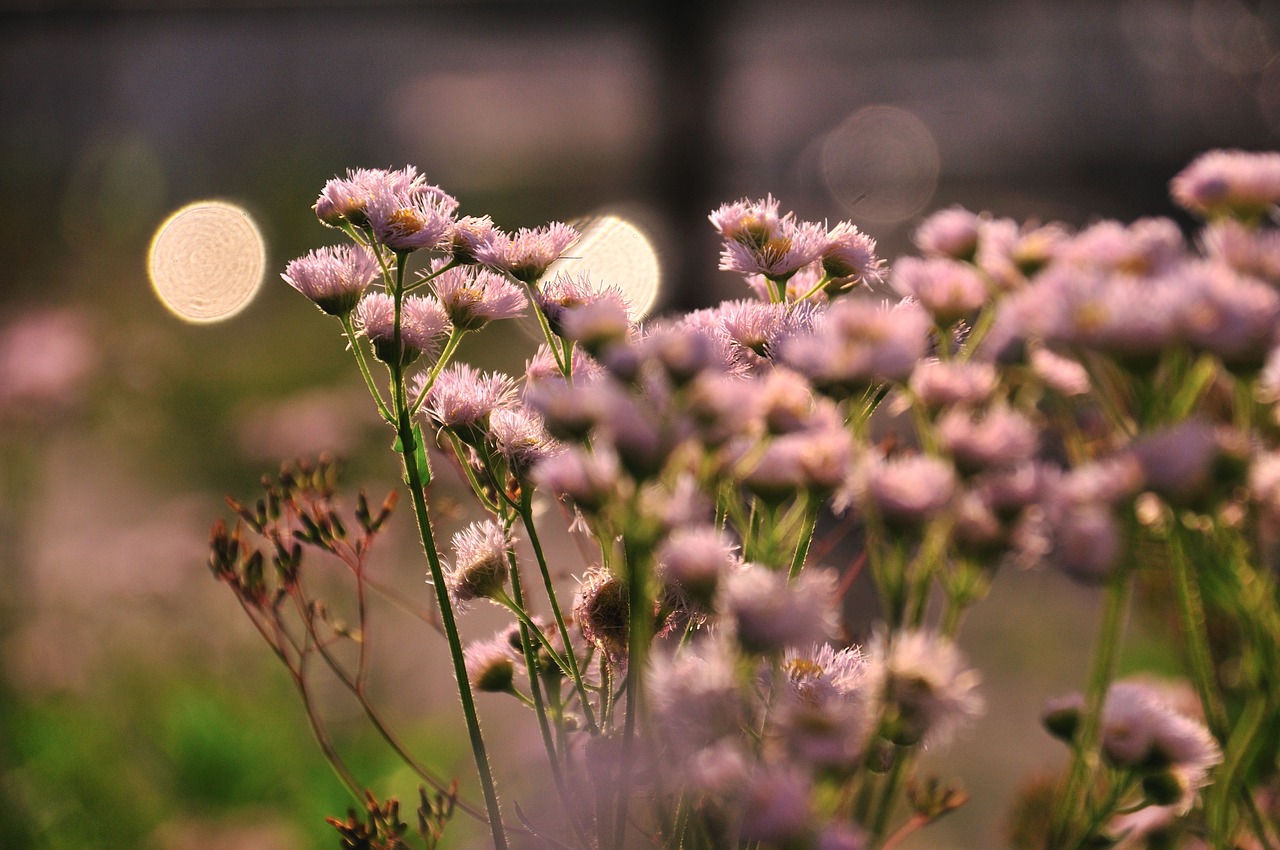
(334,278)
(603,613)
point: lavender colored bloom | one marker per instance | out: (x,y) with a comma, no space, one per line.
(753,328)
(759,241)
(682,356)
(938,383)
(826,711)
(590,480)
(905,492)
(1148,246)
(521,439)
(1011,255)
(480,569)
(1229,182)
(776,805)
(1139,730)
(468,234)
(949,290)
(348,199)
(1229,315)
(841,836)
(490,665)
(818,459)
(597,324)
(850,258)
(1251,252)
(695,698)
(926,687)
(602,611)
(723,407)
(422,322)
(1059,373)
(695,559)
(1000,437)
(1264,485)
(462,398)
(564,292)
(526,255)
(1086,541)
(421,217)
(334,278)
(473,298)
(1191,461)
(951,233)
(769,614)
(858,343)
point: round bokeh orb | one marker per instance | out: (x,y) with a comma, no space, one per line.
(207,261)
(614,251)
(881,164)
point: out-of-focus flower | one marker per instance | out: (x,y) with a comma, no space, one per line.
(943,383)
(1251,252)
(334,278)
(695,559)
(951,233)
(949,290)
(859,342)
(769,613)
(480,568)
(520,438)
(695,697)
(849,258)
(490,665)
(591,480)
(45,359)
(526,255)
(1191,460)
(826,712)
(776,805)
(422,322)
(1148,246)
(1000,437)
(904,492)
(1229,315)
(925,686)
(1229,182)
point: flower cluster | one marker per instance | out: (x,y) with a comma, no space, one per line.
(1100,402)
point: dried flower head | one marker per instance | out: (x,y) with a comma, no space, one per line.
(602,611)
(480,568)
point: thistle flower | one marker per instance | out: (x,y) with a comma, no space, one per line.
(590,480)
(473,298)
(422,322)
(334,278)
(602,611)
(927,689)
(462,399)
(849,258)
(949,290)
(490,665)
(769,613)
(905,492)
(1229,182)
(480,569)
(527,255)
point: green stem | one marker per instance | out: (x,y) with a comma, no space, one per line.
(1186,592)
(1238,752)
(889,795)
(526,516)
(806,537)
(450,347)
(349,329)
(1085,754)
(639,606)
(408,450)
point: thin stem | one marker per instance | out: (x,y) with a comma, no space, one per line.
(450,347)
(408,450)
(806,537)
(348,328)
(526,516)
(1087,744)
(637,653)
(889,794)
(1186,592)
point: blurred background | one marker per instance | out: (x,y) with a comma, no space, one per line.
(137,708)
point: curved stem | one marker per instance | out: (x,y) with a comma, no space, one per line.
(450,347)
(349,329)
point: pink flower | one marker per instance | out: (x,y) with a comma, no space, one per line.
(1229,182)
(526,255)
(334,278)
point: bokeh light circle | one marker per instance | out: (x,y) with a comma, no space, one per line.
(206,261)
(881,164)
(613,251)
